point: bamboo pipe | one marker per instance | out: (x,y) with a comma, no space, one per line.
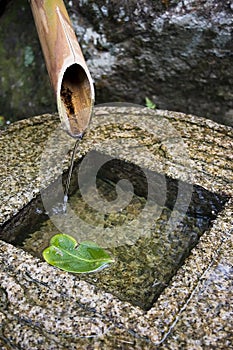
(67,69)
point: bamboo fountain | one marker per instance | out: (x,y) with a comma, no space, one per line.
(67,69)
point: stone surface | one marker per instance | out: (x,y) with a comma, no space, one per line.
(205,309)
(177,53)
(44,308)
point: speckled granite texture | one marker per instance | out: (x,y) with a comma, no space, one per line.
(44,308)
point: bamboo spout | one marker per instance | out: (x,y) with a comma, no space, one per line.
(67,69)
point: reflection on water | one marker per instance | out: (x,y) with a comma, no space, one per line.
(147,253)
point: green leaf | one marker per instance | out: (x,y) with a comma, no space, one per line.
(66,254)
(150,104)
(2,120)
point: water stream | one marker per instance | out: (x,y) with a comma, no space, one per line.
(70,174)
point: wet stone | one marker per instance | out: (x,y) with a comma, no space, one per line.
(189,159)
(147,251)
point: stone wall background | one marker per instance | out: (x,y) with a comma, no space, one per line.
(177,53)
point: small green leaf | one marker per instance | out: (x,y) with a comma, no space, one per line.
(66,254)
(150,104)
(2,120)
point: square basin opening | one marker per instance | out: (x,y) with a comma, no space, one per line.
(149,236)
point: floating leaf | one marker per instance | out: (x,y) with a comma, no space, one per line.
(150,104)
(66,254)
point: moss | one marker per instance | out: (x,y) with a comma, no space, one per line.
(22,94)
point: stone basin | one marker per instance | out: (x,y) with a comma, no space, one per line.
(45,308)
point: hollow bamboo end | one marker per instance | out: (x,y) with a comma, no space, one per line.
(75,99)
(68,72)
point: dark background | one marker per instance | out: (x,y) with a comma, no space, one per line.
(177,53)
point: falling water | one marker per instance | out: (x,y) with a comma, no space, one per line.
(70,174)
